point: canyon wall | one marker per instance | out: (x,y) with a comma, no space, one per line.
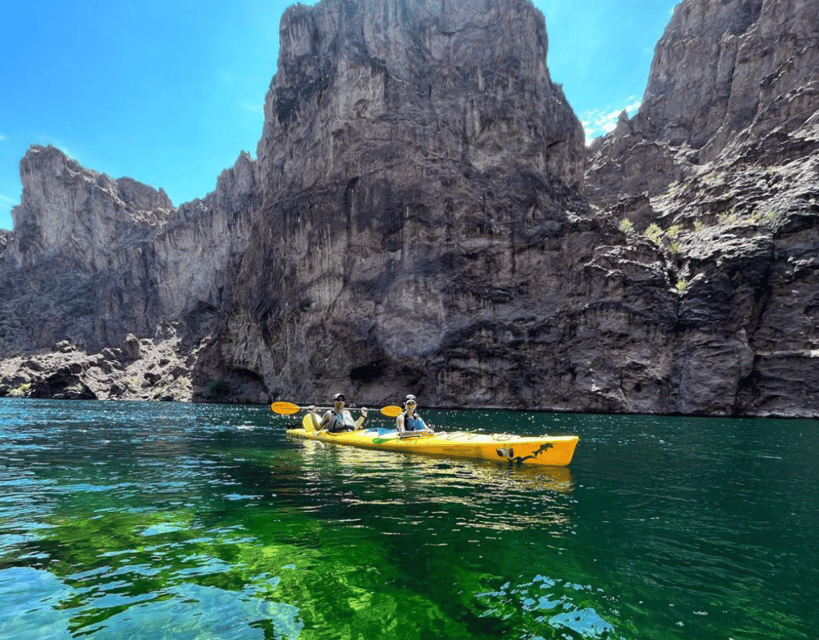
(424,217)
(723,158)
(415,161)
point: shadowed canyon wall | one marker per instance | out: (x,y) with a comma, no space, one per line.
(424,217)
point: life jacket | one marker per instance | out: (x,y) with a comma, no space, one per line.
(413,422)
(340,422)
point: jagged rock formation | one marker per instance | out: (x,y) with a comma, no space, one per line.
(734,79)
(416,160)
(93,260)
(724,155)
(147,369)
(419,220)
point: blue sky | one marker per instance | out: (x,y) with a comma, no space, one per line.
(169,92)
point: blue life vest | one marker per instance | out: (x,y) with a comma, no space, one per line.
(413,422)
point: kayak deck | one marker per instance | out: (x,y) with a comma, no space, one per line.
(546,450)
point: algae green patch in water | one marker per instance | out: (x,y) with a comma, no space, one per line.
(182,521)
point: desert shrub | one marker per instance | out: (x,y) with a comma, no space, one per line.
(22,391)
(654,233)
(626,226)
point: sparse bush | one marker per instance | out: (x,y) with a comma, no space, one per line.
(626,226)
(682,284)
(728,217)
(654,233)
(672,232)
(22,391)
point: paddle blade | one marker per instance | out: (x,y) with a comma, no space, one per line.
(307,423)
(284,408)
(392,411)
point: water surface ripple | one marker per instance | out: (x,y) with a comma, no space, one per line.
(129,520)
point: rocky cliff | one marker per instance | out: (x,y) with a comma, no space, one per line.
(423,216)
(415,161)
(722,159)
(96,264)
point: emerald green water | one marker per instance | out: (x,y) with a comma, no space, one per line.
(127,520)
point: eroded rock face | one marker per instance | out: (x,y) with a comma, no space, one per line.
(92,259)
(725,150)
(365,87)
(415,161)
(723,67)
(419,220)
(728,79)
(70,210)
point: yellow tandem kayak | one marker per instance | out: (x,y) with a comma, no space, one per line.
(554,451)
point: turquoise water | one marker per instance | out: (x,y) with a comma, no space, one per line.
(127,520)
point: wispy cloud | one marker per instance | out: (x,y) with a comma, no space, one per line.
(3,138)
(599,122)
(11,202)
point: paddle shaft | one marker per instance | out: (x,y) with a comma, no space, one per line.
(289,408)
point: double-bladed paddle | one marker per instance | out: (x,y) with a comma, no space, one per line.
(288,409)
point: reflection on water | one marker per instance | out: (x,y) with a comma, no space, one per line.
(372,464)
(173,521)
(494,495)
(39,605)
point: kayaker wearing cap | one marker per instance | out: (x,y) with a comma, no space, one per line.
(409,420)
(340,419)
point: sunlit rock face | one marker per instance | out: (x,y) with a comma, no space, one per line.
(729,80)
(723,156)
(93,259)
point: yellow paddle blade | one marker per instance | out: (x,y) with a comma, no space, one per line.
(392,411)
(285,408)
(307,423)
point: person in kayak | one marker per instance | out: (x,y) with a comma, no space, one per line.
(338,418)
(409,420)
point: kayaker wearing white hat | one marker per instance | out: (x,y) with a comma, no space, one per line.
(409,420)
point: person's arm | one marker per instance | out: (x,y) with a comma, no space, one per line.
(325,421)
(426,426)
(399,423)
(360,422)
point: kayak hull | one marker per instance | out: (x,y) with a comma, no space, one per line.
(542,451)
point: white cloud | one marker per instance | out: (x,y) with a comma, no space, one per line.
(599,122)
(13,202)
